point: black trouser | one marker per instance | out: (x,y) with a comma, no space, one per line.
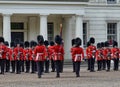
(53,65)
(58,65)
(108,64)
(18,66)
(77,68)
(46,66)
(33,66)
(39,67)
(92,62)
(22,65)
(13,66)
(27,64)
(99,63)
(88,64)
(61,66)
(73,65)
(7,63)
(2,65)
(103,64)
(116,63)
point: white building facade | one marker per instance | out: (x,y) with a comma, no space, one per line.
(27,19)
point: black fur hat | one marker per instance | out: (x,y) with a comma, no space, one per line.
(115,44)
(102,44)
(6,43)
(58,39)
(92,40)
(32,43)
(17,41)
(46,43)
(26,44)
(12,44)
(73,42)
(52,43)
(106,44)
(1,39)
(88,44)
(78,41)
(98,45)
(40,39)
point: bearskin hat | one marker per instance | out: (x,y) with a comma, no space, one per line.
(6,43)
(92,40)
(106,44)
(73,42)
(52,43)
(26,44)
(46,43)
(102,44)
(58,39)
(88,44)
(1,39)
(78,41)
(40,39)
(115,44)
(98,45)
(12,44)
(32,43)
(17,41)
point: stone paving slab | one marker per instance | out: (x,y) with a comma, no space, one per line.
(67,79)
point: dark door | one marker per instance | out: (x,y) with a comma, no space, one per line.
(18,35)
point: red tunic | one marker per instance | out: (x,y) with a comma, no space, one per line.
(27,54)
(8,54)
(92,53)
(107,53)
(71,50)
(40,51)
(88,53)
(78,54)
(99,55)
(51,52)
(12,54)
(19,53)
(58,52)
(3,50)
(115,53)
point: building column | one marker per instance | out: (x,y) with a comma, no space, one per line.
(43,26)
(79,28)
(7,27)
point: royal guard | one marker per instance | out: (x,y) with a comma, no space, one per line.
(33,62)
(99,56)
(12,57)
(78,55)
(92,48)
(27,56)
(51,48)
(71,50)
(58,54)
(88,55)
(107,54)
(7,62)
(22,57)
(115,55)
(40,51)
(3,50)
(47,56)
(104,58)
(18,56)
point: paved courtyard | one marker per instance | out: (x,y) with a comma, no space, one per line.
(67,79)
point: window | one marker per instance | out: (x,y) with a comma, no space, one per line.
(50,31)
(84,34)
(111,1)
(17,25)
(112,31)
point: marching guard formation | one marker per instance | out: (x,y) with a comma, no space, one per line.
(32,57)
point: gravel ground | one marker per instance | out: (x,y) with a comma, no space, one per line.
(67,79)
